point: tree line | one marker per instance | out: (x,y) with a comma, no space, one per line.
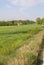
(21,22)
(15,22)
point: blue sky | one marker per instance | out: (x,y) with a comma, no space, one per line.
(21,9)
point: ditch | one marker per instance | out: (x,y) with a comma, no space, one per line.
(40,58)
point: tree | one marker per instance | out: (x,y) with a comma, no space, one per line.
(42,20)
(13,22)
(39,21)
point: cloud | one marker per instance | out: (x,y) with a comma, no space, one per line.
(26,3)
(8,6)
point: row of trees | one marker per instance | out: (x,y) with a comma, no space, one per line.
(15,22)
(21,22)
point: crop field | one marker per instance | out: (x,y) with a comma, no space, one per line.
(13,37)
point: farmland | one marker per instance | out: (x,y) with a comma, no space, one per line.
(14,37)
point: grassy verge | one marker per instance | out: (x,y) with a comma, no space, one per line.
(27,54)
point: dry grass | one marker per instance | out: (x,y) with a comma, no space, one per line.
(27,54)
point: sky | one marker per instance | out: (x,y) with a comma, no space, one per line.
(21,9)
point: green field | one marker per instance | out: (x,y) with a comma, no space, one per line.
(13,37)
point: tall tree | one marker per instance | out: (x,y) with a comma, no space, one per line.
(39,21)
(42,20)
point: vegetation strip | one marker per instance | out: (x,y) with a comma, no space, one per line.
(27,53)
(40,58)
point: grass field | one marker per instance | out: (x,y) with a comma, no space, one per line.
(12,37)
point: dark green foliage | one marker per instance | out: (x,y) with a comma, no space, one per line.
(1,64)
(40,21)
(16,22)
